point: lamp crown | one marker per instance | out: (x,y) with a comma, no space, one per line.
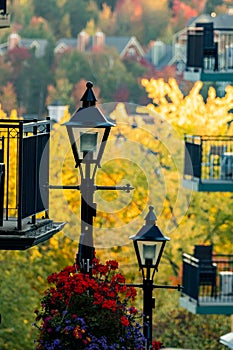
(88,98)
(150,217)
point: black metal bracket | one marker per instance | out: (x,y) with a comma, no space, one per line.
(127,188)
(155,286)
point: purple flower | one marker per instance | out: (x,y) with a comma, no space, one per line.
(56,342)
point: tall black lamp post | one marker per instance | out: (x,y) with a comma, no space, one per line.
(149,244)
(88,131)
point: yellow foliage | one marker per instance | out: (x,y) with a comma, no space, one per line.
(190,114)
(13,114)
(3,115)
(35,253)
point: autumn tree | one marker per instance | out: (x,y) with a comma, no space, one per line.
(208,218)
(107,20)
(80,12)
(191,113)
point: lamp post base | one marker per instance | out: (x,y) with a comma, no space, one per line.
(85,257)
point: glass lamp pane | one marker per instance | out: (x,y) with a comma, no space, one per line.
(156,246)
(88,141)
(97,139)
(149,251)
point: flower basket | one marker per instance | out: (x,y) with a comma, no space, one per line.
(82,312)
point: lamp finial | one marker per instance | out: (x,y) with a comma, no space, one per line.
(88,98)
(150,217)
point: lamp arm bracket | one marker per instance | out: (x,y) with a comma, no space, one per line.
(127,188)
(178,287)
(135,285)
(63,187)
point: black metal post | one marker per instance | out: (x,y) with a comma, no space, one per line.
(86,250)
(20,175)
(35,171)
(148,305)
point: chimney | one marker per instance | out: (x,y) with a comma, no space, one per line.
(99,40)
(83,39)
(13,41)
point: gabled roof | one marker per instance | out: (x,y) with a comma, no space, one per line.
(65,43)
(39,45)
(133,42)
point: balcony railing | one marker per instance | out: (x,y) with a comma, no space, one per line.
(24,178)
(4,20)
(209,283)
(209,53)
(209,162)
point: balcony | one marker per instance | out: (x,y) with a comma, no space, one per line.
(209,53)
(24,177)
(208,285)
(208,164)
(4,20)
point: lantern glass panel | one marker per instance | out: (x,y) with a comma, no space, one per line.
(149,251)
(88,141)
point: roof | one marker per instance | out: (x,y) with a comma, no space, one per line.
(39,44)
(65,43)
(223,21)
(165,61)
(119,42)
(220,21)
(133,42)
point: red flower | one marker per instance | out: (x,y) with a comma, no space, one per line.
(133,310)
(98,298)
(124,321)
(131,293)
(156,345)
(119,278)
(109,304)
(52,278)
(72,305)
(112,264)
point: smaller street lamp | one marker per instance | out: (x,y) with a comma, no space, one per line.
(149,244)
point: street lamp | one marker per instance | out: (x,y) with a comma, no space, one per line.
(88,131)
(149,244)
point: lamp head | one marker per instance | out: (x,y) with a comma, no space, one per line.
(88,129)
(149,242)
